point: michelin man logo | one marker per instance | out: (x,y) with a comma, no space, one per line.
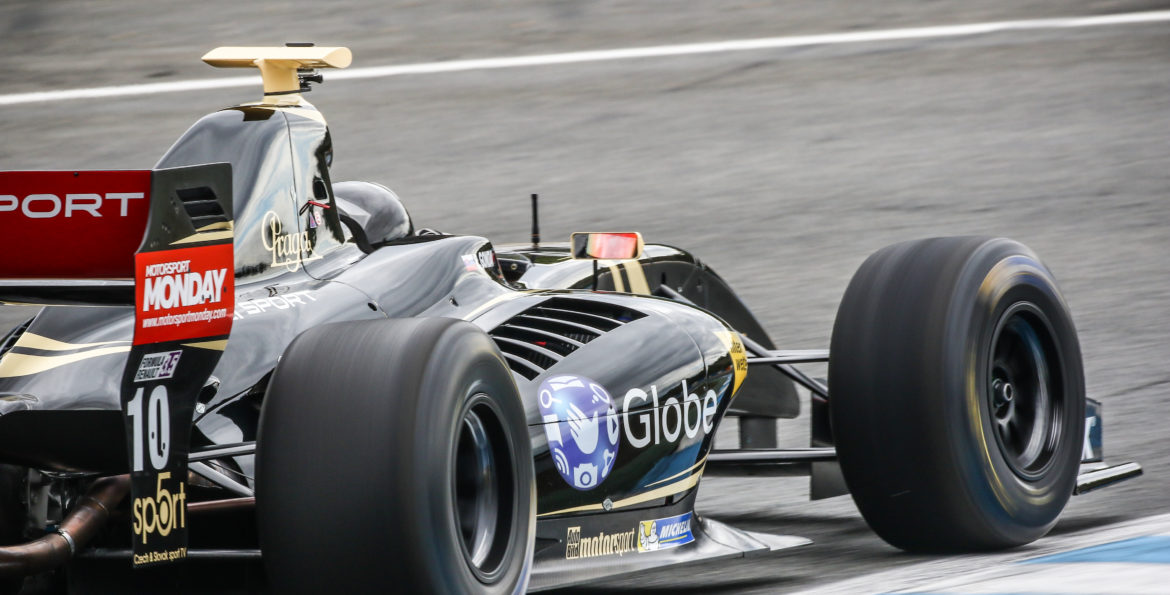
(661,534)
(582,427)
(648,536)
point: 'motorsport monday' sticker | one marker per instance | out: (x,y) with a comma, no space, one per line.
(582,428)
(183,293)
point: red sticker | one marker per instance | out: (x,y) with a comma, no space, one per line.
(72,224)
(183,294)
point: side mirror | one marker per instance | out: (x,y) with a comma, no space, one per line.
(606,245)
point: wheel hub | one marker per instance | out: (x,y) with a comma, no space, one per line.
(1002,395)
(1024,393)
(484,488)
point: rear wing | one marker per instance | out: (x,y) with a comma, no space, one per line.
(160,241)
(74,234)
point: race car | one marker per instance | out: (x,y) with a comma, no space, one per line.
(243,365)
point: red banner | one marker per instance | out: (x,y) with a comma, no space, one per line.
(183,294)
(72,224)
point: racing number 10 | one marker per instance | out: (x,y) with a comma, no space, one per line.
(158,424)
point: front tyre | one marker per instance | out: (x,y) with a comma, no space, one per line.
(394,455)
(957,394)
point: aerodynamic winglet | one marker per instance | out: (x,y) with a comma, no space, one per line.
(278,65)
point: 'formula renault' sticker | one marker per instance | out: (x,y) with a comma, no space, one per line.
(661,534)
(155,366)
(582,428)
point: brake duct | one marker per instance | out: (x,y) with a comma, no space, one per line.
(74,533)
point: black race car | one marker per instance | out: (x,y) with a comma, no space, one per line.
(245,362)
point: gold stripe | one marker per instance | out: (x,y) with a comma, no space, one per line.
(618,284)
(637,277)
(35,341)
(680,473)
(205,237)
(20,364)
(214,226)
(662,492)
(218,345)
(301,57)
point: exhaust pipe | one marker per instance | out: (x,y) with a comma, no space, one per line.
(74,533)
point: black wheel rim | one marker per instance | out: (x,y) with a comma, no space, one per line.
(1024,390)
(484,488)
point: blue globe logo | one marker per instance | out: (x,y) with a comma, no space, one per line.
(581,427)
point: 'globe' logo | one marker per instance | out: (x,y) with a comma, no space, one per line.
(582,429)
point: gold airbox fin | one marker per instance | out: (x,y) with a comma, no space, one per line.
(278,65)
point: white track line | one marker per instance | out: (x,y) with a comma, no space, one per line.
(616,54)
(935,575)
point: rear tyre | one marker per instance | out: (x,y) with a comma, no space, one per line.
(957,396)
(395,455)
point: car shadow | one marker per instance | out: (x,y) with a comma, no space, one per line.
(1081,523)
(707,585)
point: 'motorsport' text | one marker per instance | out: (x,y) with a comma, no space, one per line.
(47,206)
(603,544)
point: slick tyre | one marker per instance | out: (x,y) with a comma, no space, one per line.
(957,394)
(394,456)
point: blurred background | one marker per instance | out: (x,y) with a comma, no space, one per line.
(781,168)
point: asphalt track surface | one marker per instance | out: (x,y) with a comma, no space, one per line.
(781,168)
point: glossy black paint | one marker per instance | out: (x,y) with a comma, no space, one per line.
(672,345)
(373,213)
(297,266)
(766,392)
(256,141)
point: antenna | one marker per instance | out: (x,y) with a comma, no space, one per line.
(535,223)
